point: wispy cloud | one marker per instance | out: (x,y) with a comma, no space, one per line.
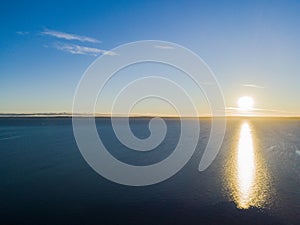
(82,50)
(253,86)
(22,32)
(163,46)
(67,36)
(259,112)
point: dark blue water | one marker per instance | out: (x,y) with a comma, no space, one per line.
(45,180)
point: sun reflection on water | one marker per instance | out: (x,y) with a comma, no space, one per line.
(246,173)
(246,165)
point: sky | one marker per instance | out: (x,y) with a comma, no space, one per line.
(252,47)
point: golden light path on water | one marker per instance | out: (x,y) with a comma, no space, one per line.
(246,166)
(247,177)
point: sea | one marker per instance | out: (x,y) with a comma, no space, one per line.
(255,178)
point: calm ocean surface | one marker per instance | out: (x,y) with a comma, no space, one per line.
(255,178)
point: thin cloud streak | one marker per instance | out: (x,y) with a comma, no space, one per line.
(259,111)
(82,50)
(163,47)
(22,32)
(67,36)
(253,86)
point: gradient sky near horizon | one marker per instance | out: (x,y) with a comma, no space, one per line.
(253,47)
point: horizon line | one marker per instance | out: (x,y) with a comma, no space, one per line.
(104,115)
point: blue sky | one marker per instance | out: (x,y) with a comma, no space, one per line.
(252,46)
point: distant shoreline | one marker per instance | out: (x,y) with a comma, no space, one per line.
(53,115)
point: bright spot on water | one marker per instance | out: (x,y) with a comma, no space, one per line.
(246,175)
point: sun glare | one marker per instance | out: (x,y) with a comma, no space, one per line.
(245,103)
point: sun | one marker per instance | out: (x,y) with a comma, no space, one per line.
(245,103)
